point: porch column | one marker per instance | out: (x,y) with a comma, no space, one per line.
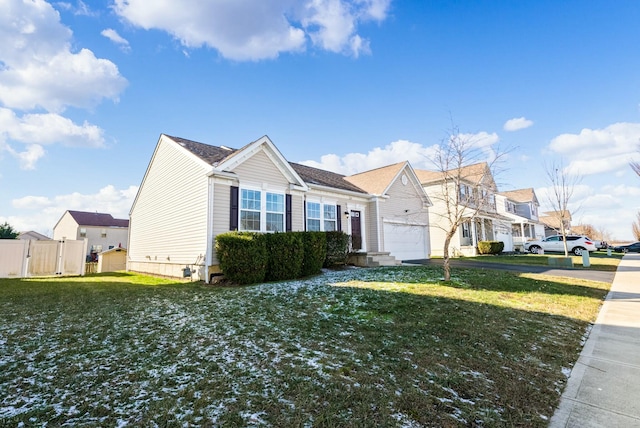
(474,234)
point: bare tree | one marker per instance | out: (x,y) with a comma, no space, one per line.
(465,169)
(635,227)
(562,186)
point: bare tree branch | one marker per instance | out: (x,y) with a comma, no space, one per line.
(562,186)
(465,169)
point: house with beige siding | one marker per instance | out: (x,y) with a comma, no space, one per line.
(192,192)
(464,196)
(101,230)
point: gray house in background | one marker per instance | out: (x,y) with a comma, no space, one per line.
(101,230)
(33,236)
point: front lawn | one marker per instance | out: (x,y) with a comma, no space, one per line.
(358,347)
(598,260)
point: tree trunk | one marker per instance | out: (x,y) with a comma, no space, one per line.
(445,264)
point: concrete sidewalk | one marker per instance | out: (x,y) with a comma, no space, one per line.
(604,387)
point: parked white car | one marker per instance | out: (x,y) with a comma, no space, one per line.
(576,244)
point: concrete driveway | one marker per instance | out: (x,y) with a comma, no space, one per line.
(580,273)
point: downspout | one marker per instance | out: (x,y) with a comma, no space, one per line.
(380,223)
(209,255)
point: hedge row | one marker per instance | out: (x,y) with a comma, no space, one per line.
(249,257)
(490,247)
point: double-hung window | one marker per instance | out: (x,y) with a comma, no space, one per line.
(262,211)
(466,229)
(313,216)
(330,221)
(322,217)
(250,207)
(275,212)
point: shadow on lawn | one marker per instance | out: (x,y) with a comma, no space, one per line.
(331,356)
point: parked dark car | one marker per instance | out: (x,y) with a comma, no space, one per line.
(629,248)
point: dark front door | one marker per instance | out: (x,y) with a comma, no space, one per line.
(356,231)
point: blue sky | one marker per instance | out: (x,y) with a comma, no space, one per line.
(86,89)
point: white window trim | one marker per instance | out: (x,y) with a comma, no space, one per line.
(263,207)
(322,219)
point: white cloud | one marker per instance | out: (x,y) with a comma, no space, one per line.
(611,207)
(116,38)
(419,156)
(28,157)
(398,151)
(41,213)
(48,128)
(39,70)
(256,29)
(517,124)
(36,130)
(594,151)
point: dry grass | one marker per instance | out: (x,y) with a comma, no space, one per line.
(360,347)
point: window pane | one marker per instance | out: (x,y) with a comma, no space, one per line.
(313,210)
(250,200)
(329,225)
(329,212)
(275,203)
(275,222)
(250,220)
(313,225)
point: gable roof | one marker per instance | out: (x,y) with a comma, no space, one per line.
(32,234)
(471,173)
(213,155)
(521,195)
(321,177)
(219,155)
(84,218)
(376,181)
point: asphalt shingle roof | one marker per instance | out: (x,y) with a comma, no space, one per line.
(321,177)
(520,195)
(84,218)
(376,180)
(212,155)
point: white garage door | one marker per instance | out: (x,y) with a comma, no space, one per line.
(405,241)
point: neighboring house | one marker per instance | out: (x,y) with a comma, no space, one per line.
(399,216)
(33,236)
(522,207)
(102,231)
(467,194)
(551,221)
(192,192)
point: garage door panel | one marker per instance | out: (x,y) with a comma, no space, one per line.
(405,241)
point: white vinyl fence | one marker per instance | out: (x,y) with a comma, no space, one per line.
(29,258)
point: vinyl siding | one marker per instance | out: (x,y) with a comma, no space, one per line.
(66,228)
(260,170)
(169,218)
(404,205)
(437,217)
(370,219)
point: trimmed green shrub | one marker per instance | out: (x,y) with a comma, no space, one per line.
(286,253)
(315,252)
(490,247)
(337,248)
(243,256)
